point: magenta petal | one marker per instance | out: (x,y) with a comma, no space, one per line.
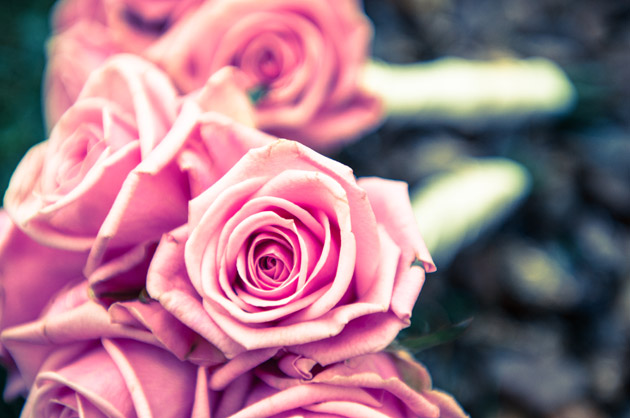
(390,201)
(244,362)
(30,274)
(93,376)
(169,331)
(158,382)
(168,283)
(367,334)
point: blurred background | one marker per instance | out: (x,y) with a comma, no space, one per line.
(543,297)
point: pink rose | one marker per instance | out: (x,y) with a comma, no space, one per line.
(63,189)
(87,32)
(72,56)
(304,56)
(112,378)
(374,385)
(79,358)
(73,319)
(288,250)
(31,273)
(132,24)
(198,149)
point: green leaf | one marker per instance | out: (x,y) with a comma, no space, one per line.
(441,336)
(257,94)
(455,207)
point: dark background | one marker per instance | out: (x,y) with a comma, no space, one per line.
(549,289)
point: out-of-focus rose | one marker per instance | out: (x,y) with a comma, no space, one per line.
(87,32)
(132,24)
(288,250)
(303,57)
(64,187)
(374,385)
(73,55)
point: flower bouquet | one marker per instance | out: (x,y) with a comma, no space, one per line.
(179,246)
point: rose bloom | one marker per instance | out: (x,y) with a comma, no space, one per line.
(302,59)
(87,32)
(73,56)
(30,273)
(288,250)
(132,24)
(373,385)
(73,318)
(81,359)
(112,378)
(63,189)
(305,57)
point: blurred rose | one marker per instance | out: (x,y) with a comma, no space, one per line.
(374,385)
(87,32)
(132,24)
(304,57)
(63,189)
(73,56)
(288,250)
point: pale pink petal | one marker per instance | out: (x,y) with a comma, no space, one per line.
(391,205)
(159,383)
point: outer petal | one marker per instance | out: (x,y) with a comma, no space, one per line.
(72,57)
(391,205)
(62,191)
(71,318)
(307,58)
(159,383)
(168,283)
(30,274)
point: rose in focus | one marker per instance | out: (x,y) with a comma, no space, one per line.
(288,250)
(63,189)
(374,385)
(112,378)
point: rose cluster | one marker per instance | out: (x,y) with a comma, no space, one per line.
(301,59)
(163,255)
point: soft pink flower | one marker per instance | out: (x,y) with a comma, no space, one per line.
(288,250)
(112,378)
(132,24)
(304,56)
(63,189)
(73,55)
(197,150)
(79,358)
(87,32)
(31,273)
(374,385)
